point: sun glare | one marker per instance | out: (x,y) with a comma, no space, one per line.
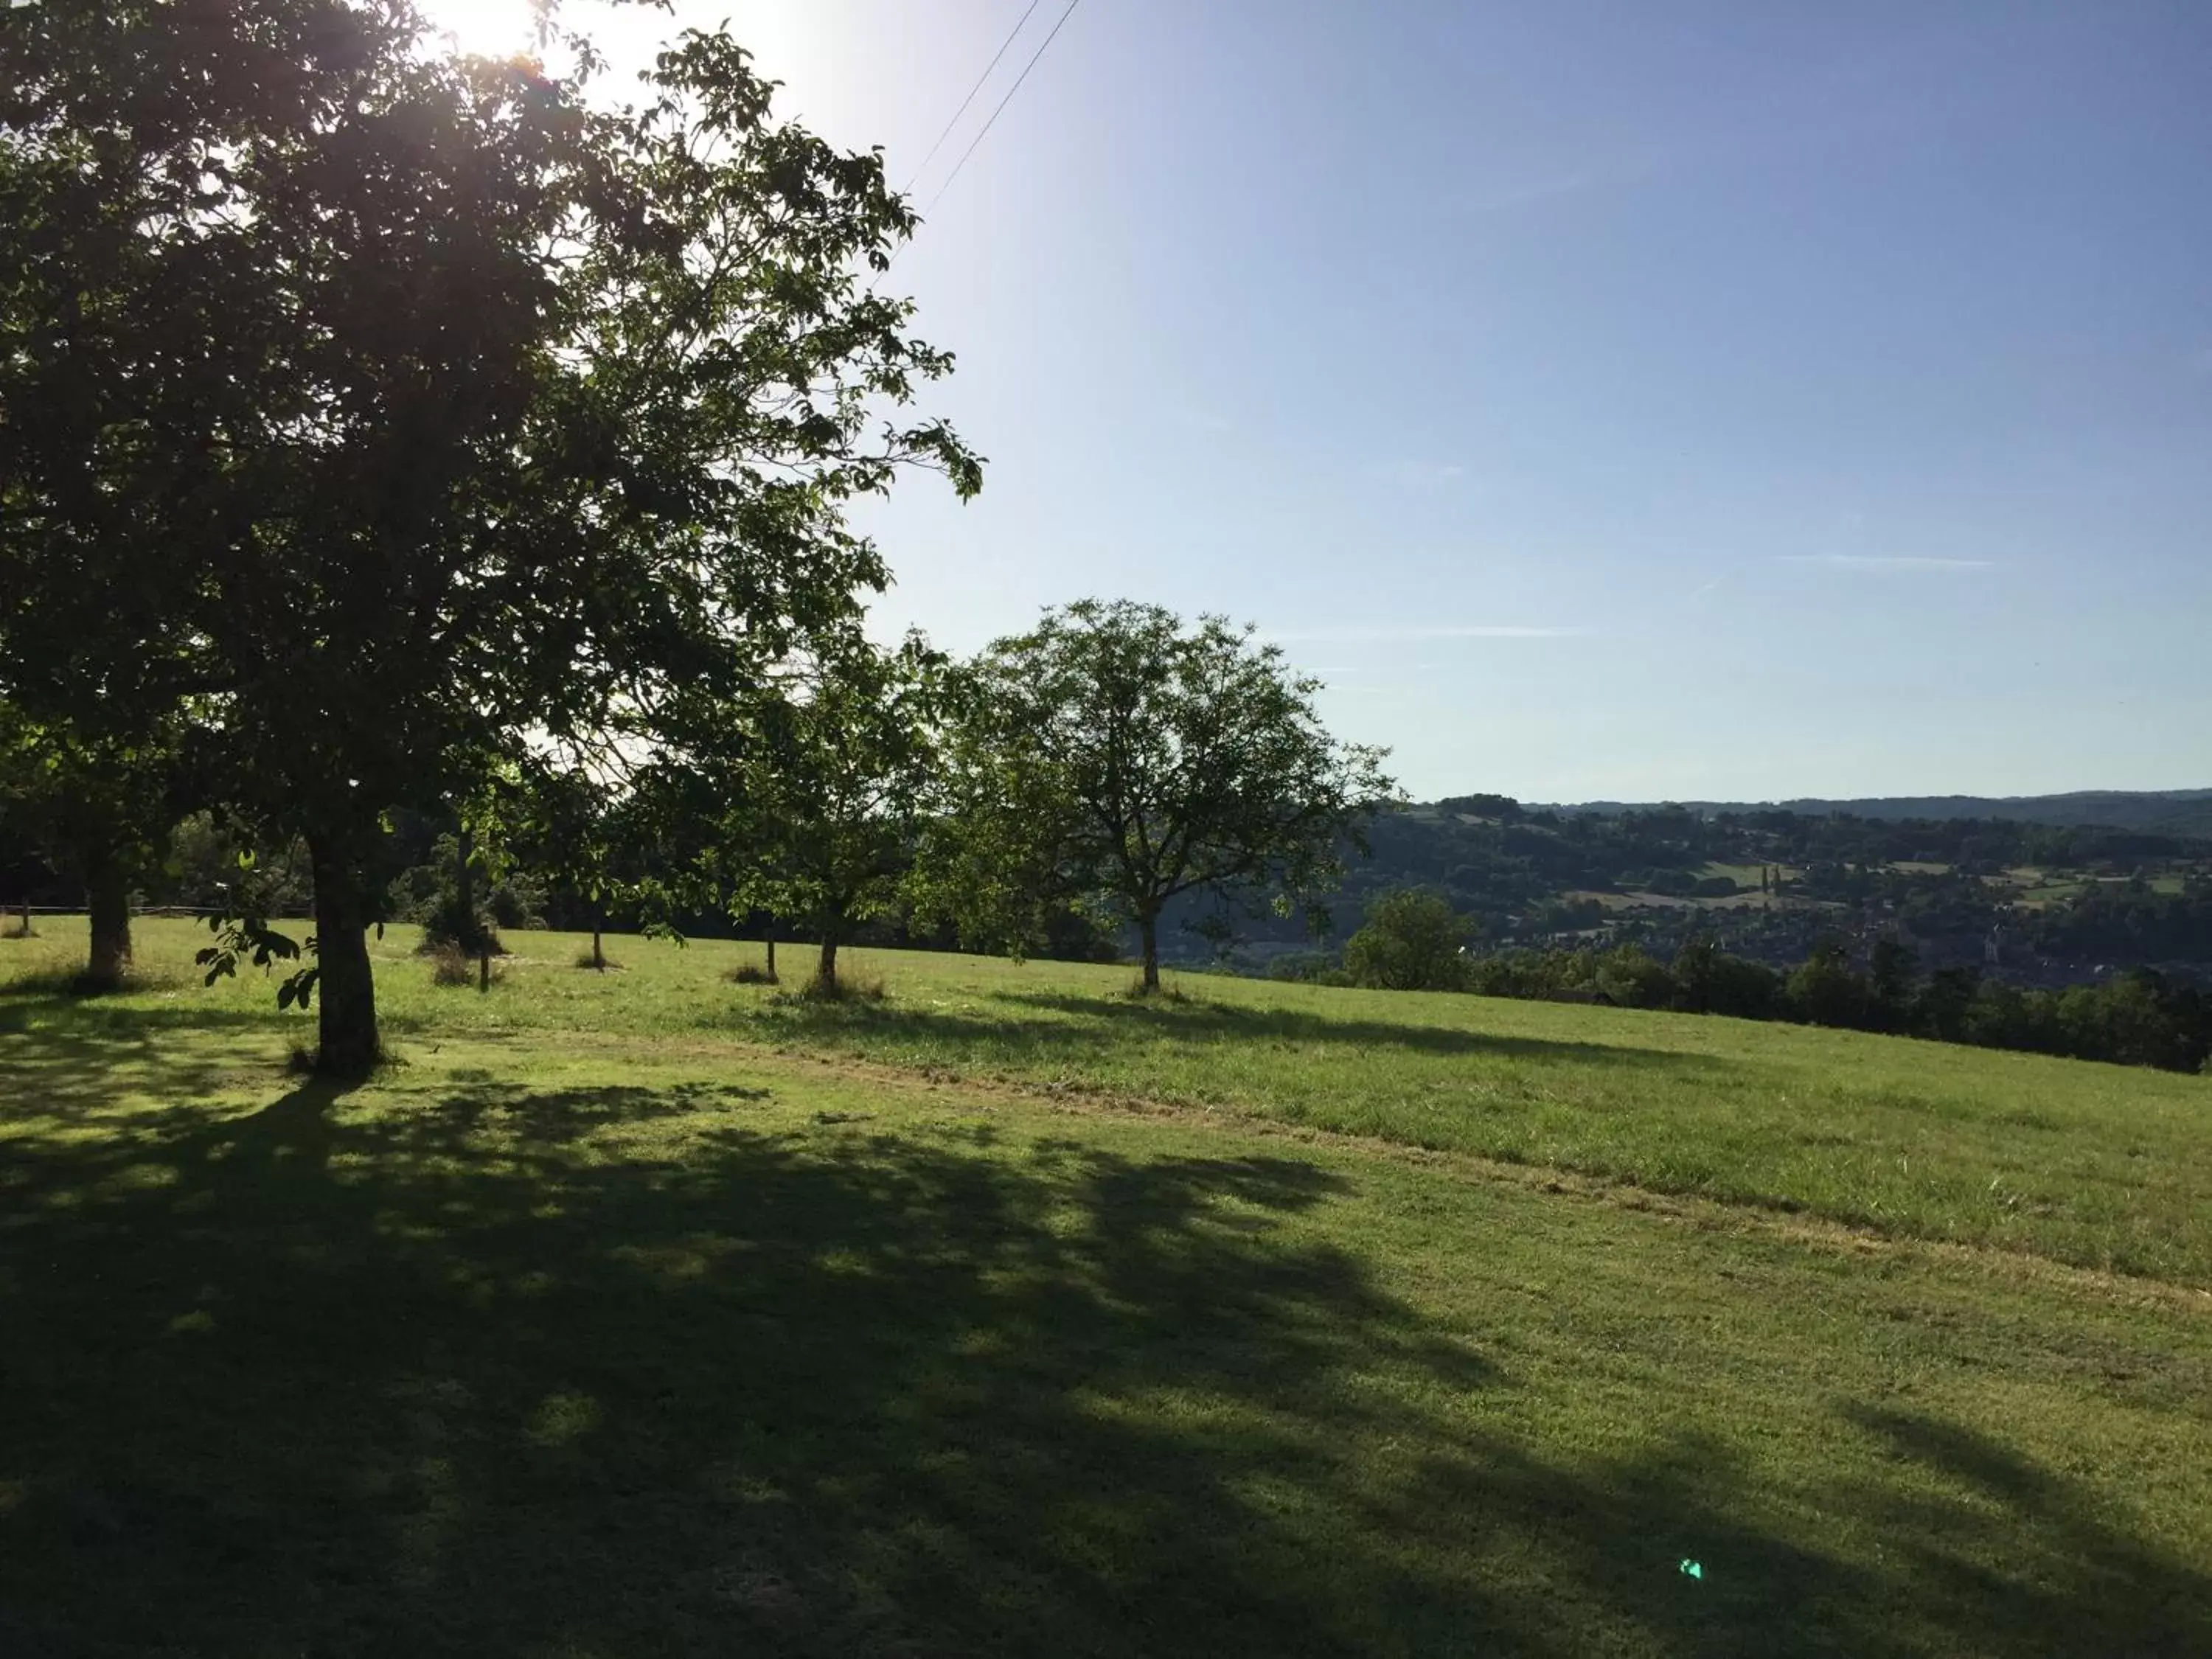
(494,29)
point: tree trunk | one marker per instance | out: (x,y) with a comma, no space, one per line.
(599,954)
(826,966)
(108,895)
(484,971)
(771,956)
(473,939)
(346,990)
(1148,929)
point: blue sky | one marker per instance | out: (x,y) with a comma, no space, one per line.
(1607,400)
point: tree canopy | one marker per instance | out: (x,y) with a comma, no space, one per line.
(1116,756)
(1410,941)
(820,800)
(416,408)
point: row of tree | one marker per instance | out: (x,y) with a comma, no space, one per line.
(387,432)
(1415,941)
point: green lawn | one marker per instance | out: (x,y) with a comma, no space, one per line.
(2092,1165)
(647,1314)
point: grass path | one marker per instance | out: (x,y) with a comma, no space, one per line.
(600,1326)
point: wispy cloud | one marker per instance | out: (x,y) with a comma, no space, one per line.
(1535,190)
(1401,635)
(1552,187)
(1415,473)
(1882,562)
(1204,420)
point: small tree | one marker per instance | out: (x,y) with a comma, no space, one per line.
(1411,941)
(1945,1003)
(1892,979)
(101,805)
(572,827)
(1632,978)
(1824,990)
(1696,966)
(824,793)
(1114,756)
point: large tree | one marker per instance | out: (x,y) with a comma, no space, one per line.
(1114,756)
(448,411)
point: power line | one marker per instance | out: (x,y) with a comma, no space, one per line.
(1003,103)
(971,98)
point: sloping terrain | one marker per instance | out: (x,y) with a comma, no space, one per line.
(648,1313)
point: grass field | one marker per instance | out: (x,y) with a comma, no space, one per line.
(645,1313)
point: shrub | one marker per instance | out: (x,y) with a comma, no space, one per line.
(461,908)
(1743,990)
(1707,980)
(1412,941)
(517,900)
(451,966)
(1632,978)
(1945,1002)
(1826,992)
(1532,973)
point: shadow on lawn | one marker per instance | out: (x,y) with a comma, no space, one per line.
(83,1058)
(1087,1024)
(448,1379)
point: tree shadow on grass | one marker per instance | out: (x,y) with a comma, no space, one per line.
(1078,1025)
(2076,1586)
(443,1374)
(78,1063)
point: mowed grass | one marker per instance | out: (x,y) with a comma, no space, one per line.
(2097,1166)
(645,1314)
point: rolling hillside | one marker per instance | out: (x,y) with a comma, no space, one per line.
(649,1312)
(2165,811)
(2075,901)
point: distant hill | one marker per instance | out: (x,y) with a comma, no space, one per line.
(2168,811)
(2080,882)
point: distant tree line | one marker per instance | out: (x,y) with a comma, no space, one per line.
(1415,941)
(2130,922)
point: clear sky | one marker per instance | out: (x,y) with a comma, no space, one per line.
(1696,401)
